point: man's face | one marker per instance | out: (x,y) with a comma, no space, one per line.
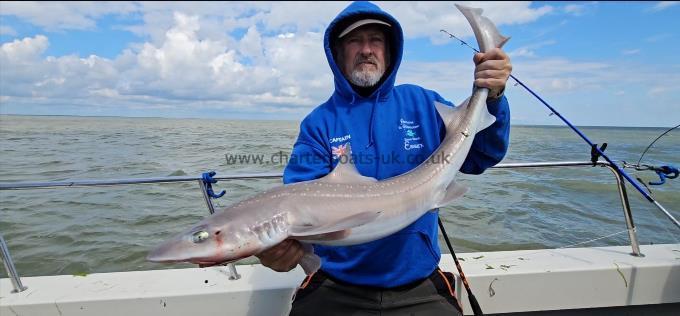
(362,55)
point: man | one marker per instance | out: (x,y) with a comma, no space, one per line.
(391,130)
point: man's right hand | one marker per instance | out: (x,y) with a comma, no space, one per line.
(282,257)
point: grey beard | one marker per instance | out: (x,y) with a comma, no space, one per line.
(366,78)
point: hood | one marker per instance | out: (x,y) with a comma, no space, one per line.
(355,11)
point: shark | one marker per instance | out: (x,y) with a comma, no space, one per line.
(343,207)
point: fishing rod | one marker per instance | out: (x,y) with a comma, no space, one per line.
(595,150)
(474,304)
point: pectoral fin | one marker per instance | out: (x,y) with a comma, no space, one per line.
(335,227)
(453,191)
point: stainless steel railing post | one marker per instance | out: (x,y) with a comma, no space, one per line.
(627,214)
(9,266)
(231,268)
(233,274)
(623,196)
(206,197)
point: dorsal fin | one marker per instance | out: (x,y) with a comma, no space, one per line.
(345,171)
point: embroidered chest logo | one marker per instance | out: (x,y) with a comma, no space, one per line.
(340,139)
(411,138)
(339,151)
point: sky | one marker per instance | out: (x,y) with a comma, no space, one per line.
(597,63)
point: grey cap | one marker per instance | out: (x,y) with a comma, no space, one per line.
(359,23)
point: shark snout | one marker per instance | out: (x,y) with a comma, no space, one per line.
(164,253)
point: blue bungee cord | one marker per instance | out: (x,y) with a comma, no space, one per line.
(208,180)
(596,151)
(663,172)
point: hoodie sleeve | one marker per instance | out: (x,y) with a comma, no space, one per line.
(308,160)
(491,144)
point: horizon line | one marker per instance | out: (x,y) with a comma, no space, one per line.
(277,120)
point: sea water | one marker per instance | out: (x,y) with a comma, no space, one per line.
(104,229)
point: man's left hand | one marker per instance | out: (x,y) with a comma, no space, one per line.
(492,71)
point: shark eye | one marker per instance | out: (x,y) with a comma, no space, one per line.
(200,236)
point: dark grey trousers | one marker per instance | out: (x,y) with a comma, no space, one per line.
(319,295)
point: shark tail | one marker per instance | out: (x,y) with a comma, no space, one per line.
(485,30)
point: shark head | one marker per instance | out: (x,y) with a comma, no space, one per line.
(212,241)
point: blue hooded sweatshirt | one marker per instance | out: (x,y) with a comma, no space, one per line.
(391,131)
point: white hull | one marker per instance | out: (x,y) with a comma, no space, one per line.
(520,281)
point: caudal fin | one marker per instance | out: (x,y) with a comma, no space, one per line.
(485,31)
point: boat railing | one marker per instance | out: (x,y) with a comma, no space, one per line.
(18,286)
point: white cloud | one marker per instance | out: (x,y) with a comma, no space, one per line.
(64,15)
(258,57)
(452,79)
(27,48)
(530,50)
(575,9)
(559,75)
(522,52)
(548,75)
(584,92)
(185,66)
(579,9)
(227,16)
(657,90)
(253,71)
(630,51)
(658,37)
(663,5)
(420,19)
(217,18)
(6,30)
(27,73)
(251,44)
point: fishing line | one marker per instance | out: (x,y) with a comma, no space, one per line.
(650,145)
(663,172)
(525,255)
(594,239)
(594,147)
(474,304)
(664,225)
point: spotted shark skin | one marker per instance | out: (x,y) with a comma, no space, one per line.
(344,207)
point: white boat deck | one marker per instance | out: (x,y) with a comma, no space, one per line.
(504,282)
